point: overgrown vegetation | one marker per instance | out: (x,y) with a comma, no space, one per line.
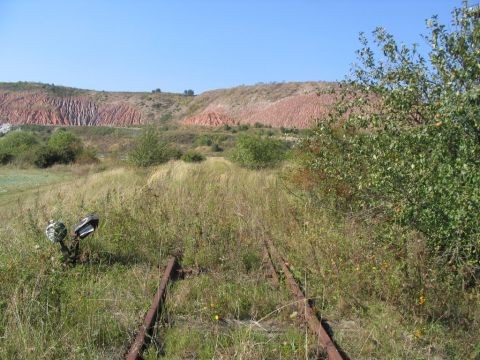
(404,143)
(217,214)
(255,152)
(27,148)
(99,304)
(193,156)
(149,150)
(400,155)
(381,234)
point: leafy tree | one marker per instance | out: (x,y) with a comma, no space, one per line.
(16,142)
(66,145)
(188,92)
(403,142)
(45,156)
(255,152)
(148,150)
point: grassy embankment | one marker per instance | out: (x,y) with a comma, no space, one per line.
(216,214)
(16,182)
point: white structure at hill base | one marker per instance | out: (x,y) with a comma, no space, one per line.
(5,128)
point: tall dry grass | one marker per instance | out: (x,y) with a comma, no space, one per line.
(217,216)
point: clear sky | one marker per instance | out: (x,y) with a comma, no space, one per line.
(141,45)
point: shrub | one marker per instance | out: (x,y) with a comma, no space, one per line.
(193,156)
(45,156)
(255,152)
(66,145)
(148,150)
(173,153)
(27,148)
(16,142)
(87,156)
(216,148)
(403,142)
(5,157)
(204,140)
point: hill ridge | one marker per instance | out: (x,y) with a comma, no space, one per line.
(293,104)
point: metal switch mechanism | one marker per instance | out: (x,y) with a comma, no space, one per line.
(86,226)
(56,232)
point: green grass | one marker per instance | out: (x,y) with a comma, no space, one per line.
(217,216)
(15,183)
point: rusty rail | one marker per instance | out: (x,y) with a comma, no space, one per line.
(145,329)
(270,268)
(304,307)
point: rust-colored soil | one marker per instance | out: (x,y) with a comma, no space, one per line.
(210,118)
(41,109)
(276,104)
(299,111)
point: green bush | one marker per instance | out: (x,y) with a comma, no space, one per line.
(403,143)
(16,142)
(26,148)
(5,157)
(148,150)
(216,148)
(255,152)
(193,156)
(66,145)
(204,140)
(45,156)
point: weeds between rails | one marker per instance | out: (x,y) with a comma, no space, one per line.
(304,307)
(145,330)
(216,212)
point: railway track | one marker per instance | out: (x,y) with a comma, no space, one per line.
(271,256)
(145,331)
(304,307)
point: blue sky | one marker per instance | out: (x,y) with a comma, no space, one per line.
(195,44)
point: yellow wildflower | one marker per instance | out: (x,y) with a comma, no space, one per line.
(418,333)
(421,300)
(216,317)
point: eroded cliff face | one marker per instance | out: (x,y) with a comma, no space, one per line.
(299,111)
(278,104)
(42,109)
(211,118)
